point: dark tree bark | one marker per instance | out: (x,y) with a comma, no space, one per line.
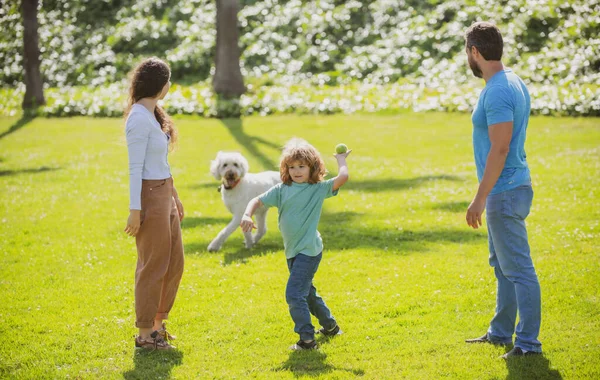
(34,90)
(228,80)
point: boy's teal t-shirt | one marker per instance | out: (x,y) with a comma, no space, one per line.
(299,206)
(504,98)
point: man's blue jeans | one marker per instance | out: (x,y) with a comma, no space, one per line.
(302,297)
(518,286)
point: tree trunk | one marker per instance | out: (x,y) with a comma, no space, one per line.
(34,91)
(228,80)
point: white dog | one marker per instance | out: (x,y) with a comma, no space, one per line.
(238,187)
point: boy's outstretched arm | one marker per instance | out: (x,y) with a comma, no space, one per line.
(343,174)
(247,223)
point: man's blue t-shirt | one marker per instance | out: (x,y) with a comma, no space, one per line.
(299,206)
(504,98)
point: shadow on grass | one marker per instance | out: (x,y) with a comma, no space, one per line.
(243,254)
(531,367)
(23,121)
(347,230)
(153,364)
(5,173)
(193,221)
(250,143)
(312,363)
(385,184)
(460,206)
(233,250)
(196,248)
(344,230)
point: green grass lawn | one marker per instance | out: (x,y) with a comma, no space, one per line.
(406,278)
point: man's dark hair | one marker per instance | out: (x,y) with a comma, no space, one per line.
(486,37)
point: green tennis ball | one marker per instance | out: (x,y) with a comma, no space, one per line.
(341,148)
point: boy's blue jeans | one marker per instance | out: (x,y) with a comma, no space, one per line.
(518,286)
(302,297)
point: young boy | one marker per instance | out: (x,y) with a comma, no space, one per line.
(299,200)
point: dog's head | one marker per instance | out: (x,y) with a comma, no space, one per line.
(229,167)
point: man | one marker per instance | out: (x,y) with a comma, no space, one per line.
(499,126)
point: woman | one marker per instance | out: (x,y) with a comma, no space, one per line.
(155,211)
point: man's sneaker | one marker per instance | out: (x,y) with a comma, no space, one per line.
(486,339)
(518,351)
(302,345)
(332,332)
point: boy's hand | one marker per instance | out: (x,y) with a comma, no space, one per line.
(342,155)
(247,223)
(342,176)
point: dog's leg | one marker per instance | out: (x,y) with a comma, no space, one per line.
(216,244)
(261,225)
(248,239)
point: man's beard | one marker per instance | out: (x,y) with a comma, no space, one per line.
(475,68)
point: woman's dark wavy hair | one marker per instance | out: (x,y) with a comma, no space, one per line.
(147,81)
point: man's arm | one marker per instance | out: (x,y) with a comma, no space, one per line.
(500,136)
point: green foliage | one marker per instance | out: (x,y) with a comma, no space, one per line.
(98,41)
(551,44)
(405,277)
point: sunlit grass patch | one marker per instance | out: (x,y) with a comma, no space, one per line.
(405,277)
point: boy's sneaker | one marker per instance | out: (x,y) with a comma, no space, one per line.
(302,345)
(332,332)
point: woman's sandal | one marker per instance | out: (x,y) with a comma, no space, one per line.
(155,342)
(165,334)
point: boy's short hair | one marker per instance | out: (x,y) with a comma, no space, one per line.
(300,150)
(486,37)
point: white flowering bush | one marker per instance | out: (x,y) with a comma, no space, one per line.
(307,55)
(303,98)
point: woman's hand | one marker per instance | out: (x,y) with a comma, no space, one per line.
(133,222)
(179,208)
(247,223)
(178,204)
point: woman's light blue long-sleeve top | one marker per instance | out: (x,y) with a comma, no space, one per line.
(147,146)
